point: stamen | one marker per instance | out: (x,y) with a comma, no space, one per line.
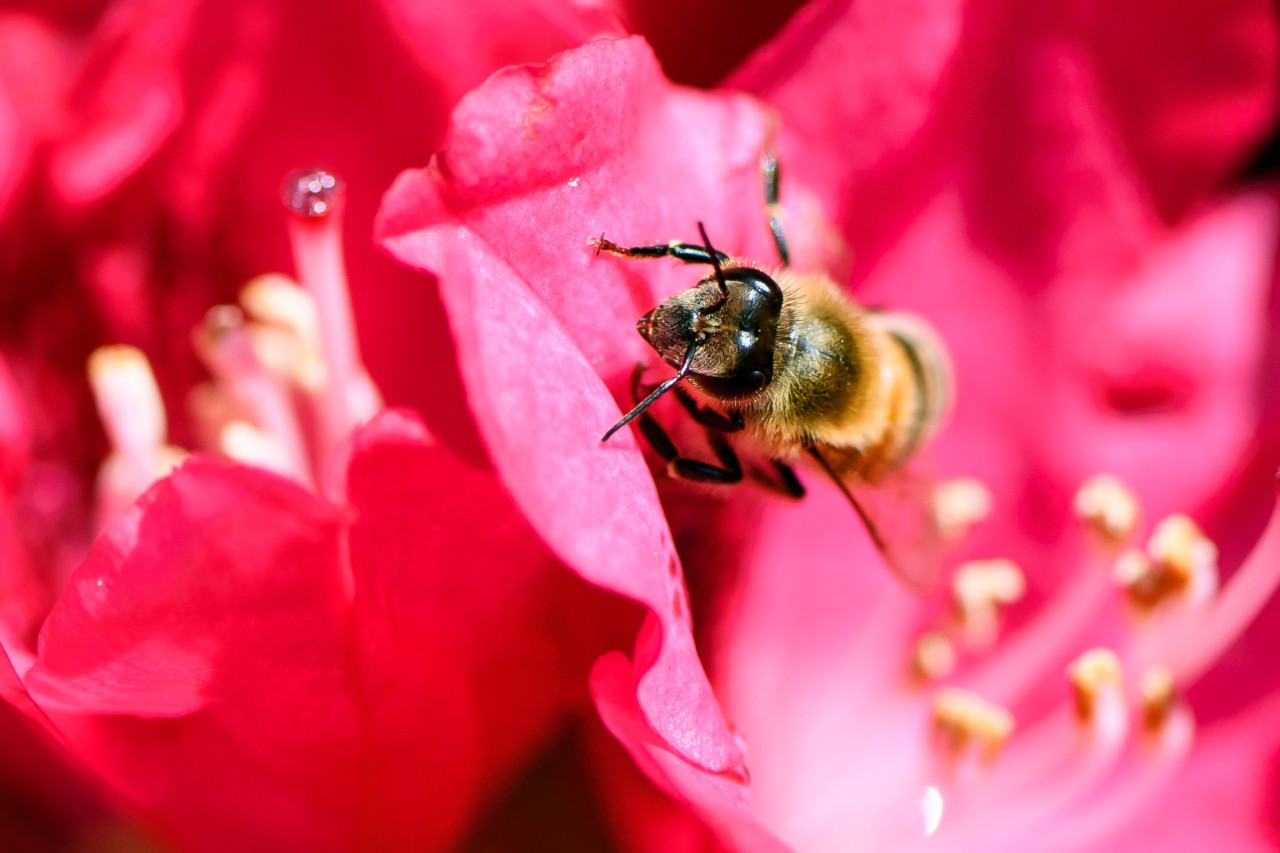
(349,397)
(129,404)
(224,345)
(1239,602)
(286,335)
(1108,508)
(133,415)
(1048,639)
(1179,557)
(979,591)
(243,442)
(959,505)
(933,657)
(1091,674)
(961,718)
(1157,694)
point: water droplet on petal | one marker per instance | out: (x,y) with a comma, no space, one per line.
(311,193)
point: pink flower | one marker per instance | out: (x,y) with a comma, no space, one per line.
(1105,307)
(369,643)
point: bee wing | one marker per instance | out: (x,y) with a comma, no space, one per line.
(898,512)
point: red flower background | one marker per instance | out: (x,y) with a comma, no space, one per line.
(391,646)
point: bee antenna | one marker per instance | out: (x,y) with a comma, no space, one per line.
(657,392)
(715,260)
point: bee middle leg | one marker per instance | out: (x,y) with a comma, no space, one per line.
(728,472)
(709,418)
(769,176)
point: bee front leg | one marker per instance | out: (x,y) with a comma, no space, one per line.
(685,252)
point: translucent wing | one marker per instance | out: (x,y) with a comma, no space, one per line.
(898,511)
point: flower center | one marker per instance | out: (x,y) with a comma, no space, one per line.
(286,386)
(999,744)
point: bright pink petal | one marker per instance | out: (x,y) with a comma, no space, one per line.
(1225,794)
(539,161)
(540,408)
(722,801)
(1165,365)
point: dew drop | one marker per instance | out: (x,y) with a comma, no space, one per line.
(311,192)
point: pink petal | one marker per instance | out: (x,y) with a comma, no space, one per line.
(218,600)
(539,161)
(720,800)
(855,85)
(1225,794)
(155,585)
(129,102)
(459,45)
(541,411)
(1166,364)
(280,672)
(33,74)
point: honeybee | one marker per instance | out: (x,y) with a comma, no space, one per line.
(794,363)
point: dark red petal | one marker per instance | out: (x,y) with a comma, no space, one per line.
(217,602)
(453,592)
(1194,88)
(15,436)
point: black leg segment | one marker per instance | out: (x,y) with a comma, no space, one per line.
(681,467)
(709,418)
(686,252)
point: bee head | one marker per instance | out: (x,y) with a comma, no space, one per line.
(732,322)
